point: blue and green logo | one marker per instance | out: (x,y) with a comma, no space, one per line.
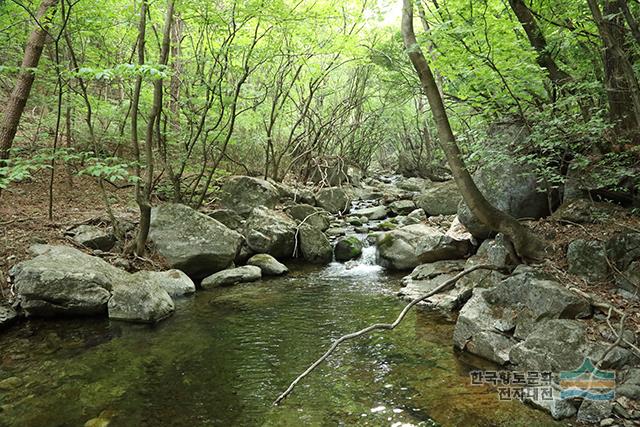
(588,382)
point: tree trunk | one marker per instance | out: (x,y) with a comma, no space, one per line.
(144,198)
(20,94)
(526,244)
(623,91)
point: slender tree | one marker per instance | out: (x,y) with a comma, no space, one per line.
(526,244)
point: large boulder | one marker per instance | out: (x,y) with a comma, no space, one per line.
(140,301)
(232,276)
(315,217)
(315,246)
(93,237)
(334,200)
(270,232)
(229,218)
(439,246)
(268,264)
(243,193)
(494,319)
(440,198)
(174,282)
(509,187)
(402,207)
(588,259)
(347,248)
(191,241)
(65,281)
(397,248)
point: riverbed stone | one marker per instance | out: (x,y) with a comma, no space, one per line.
(191,241)
(334,200)
(397,248)
(402,207)
(268,264)
(438,246)
(93,237)
(7,315)
(229,218)
(347,248)
(232,276)
(314,245)
(242,194)
(588,259)
(440,198)
(311,215)
(270,232)
(373,213)
(65,281)
(175,282)
(140,301)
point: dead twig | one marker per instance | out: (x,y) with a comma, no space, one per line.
(384,326)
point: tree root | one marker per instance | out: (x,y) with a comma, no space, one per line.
(385,326)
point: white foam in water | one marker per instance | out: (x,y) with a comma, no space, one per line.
(363,266)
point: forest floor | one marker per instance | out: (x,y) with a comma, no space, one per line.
(24,221)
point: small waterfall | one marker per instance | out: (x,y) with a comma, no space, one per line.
(363,266)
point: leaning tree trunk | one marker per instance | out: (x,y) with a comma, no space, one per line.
(18,99)
(526,244)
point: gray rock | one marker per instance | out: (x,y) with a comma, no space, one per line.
(93,237)
(229,218)
(270,232)
(433,269)
(439,246)
(174,282)
(630,385)
(413,184)
(65,281)
(347,248)
(584,211)
(373,213)
(232,276)
(510,188)
(336,231)
(397,248)
(7,315)
(402,207)
(418,215)
(630,279)
(334,200)
(140,301)
(191,241)
(592,411)
(623,249)
(588,259)
(496,252)
(315,246)
(557,407)
(315,217)
(441,198)
(268,264)
(242,194)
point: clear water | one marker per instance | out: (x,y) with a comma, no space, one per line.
(226,354)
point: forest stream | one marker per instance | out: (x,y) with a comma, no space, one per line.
(226,354)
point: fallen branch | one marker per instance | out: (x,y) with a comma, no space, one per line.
(385,326)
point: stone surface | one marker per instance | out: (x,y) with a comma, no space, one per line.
(174,282)
(413,184)
(93,237)
(592,411)
(191,241)
(268,264)
(439,246)
(630,279)
(347,248)
(270,232)
(630,385)
(334,200)
(584,211)
(315,217)
(496,252)
(242,194)
(7,315)
(65,281)
(315,246)
(588,259)
(623,249)
(402,207)
(229,218)
(232,276)
(140,301)
(440,198)
(510,188)
(397,248)
(558,408)
(373,213)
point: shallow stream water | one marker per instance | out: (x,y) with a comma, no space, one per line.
(226,354)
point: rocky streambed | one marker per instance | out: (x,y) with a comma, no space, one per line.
(520,319)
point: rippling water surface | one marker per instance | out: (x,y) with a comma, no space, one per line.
(226,354)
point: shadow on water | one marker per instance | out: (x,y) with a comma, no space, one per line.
(226,354)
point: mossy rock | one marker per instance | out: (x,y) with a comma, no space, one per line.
(348,248)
